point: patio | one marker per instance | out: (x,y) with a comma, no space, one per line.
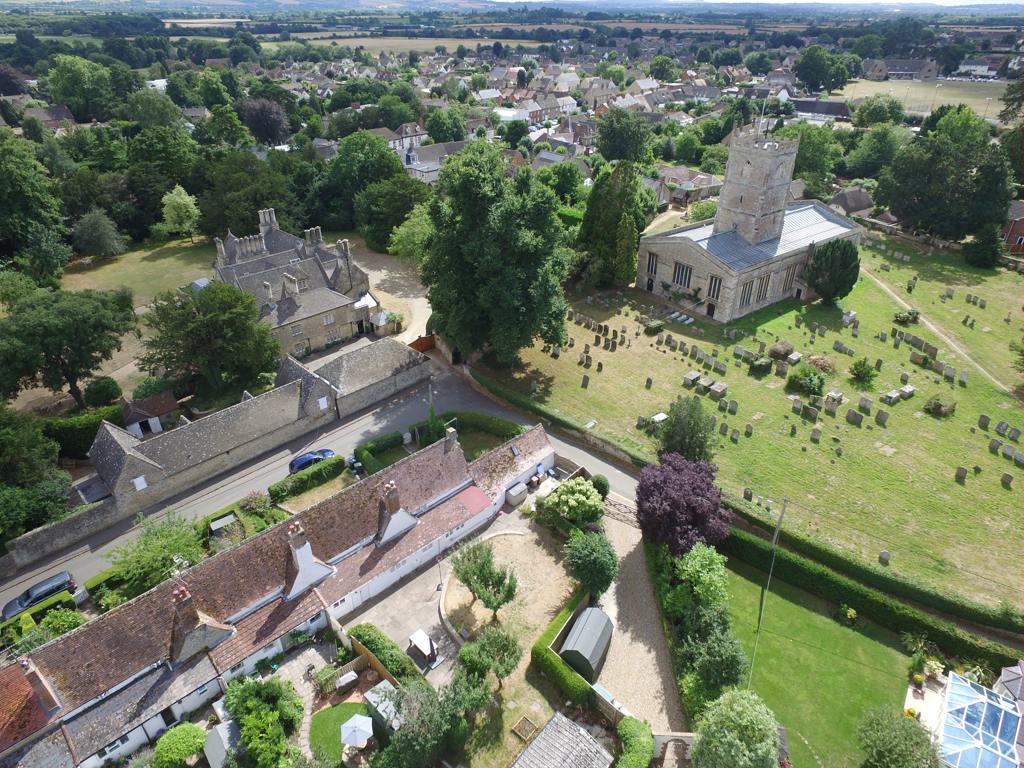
(927,702)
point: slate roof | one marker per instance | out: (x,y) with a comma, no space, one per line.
(563,744)
(369,365)
(157,405)
(49,752)
(837,109)
(803,223)
(308,303)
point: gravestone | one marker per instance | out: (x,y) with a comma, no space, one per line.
(661,339)
(967,298)
(1014,434)
(831,406)
(722,405)
(930,349)
(694,350)
(614,345)
(781,367)
(747,494)
(966,320)
(794,358)
(604,329)
(895,342)
(884,557)
(597,339)
(572,342)
(585,382)
(865,404)
(963,378)
(881,418)
(816,435)
(792,430)
(690,378)
(854,417)
(718,390)
(821,330)
(797,406)
(1008,451)
(983,421)
(974,300)
(600,366)
(813,326)
(904,378)
(961,474)
(1018,458)
(556,352)
(570,315)
(582,359)
(907,391)
(838,346)
(615,335)
(994,445)
(1001,428)
(799,321)
(878,364)
(735,436)
(981,303)
(723,429)
(949,373)
(649,383)
(949,293)
(733,407)
(856,332)
(761,347)
(586,349)
(748,430)
(883,337)
(719,367)
(916,358)
(811,412)
(1006,479)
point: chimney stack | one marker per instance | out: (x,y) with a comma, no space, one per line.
(45,696)
(268,220)
(388,506)
(220,247)
(304,570)
(269,290)
(450,438)
(192,631)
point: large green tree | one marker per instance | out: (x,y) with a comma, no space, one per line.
(736,731)
(59,338)
(446,125)
(833,270)
(26,454)
(149,107)
(84,86)
(890,740)
(493,267)
(363,158)
(160,548)
(386,204)
(213,334)
(592,561)
(688,430)
(95,234)
(239,185)
(817,156)
(616,193)
(624,135)
(494,650)
(878,108)
(876,150)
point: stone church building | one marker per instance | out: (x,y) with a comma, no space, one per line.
(753,253)
(310,293)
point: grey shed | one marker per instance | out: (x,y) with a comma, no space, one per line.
(587,644)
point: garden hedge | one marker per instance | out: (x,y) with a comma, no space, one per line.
(550,664)
(637,743)
(874,576)
(501,428)
(37,612)
(383,442)
(310,477)
(869,603)
(370,464)
(107,578)
(387,652)
(74,434)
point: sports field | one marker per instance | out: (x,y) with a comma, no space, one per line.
(981,96)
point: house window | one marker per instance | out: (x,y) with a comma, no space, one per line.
(296,330)
(236,668)
(329,318)
(714,287)
(201,690)
(140,483)
(1020,240)
(746,292)
(762,286)
(300,348)
(787,283)
(652,263)
(681,275)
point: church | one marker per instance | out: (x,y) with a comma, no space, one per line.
(753,253)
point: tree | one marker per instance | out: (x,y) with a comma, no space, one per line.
(616,193)
(27,507)
(624,135)
(817,155)
(102,390)
(96,235)
(868,47)
(239,184)
(626,239)
(181,214)
(471,562)
(515,132)
(445,125)
(1013,101)
(678,504)
(83,86)
(876,150)
(702,210)
(176,746)
(211,89)
(862,372)
(737,731)
(718,659)
(663,68)
(713,159)
(497,588)
(592,561)
(26,454)
(813,67)
(758,62)
(878,108)
(409,239)
(687,431)
(576,501)
(565,178)
(493,268)
(363,158)
(225,126)
(14,286)
(394,111)
(386,204)
(149,107)
(160,549)
(890,740)
(59,338)
(158,158)
(213,334)
(987,249)
(265,119)
(833,270)
(494,650)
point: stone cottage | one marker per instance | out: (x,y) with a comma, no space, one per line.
(753,252)
(311,294)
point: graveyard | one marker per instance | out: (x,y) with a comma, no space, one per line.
(864,469)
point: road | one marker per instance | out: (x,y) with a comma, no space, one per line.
(451,392)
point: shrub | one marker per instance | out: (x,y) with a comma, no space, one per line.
(576,501)
(654,327)
(678,504)
(601,484)
(432,430)
(694,695)
(737,731)
(324,680)
(153,385)
(719,660)
(780,350)
(177,745)
(484,422)
(387,652)
(863,372)
(592,561)
(807,379)
(940,407)
(550,665)
(247,695)
(760,365)
(310,477)
(74,434)
(637,743)
(872,604)
(370,464)
(383,442)
(102,391)
(907,317)
(688,431)
(890,740)
(36,613)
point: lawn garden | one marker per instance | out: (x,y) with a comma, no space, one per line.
(325,729)
(860,488)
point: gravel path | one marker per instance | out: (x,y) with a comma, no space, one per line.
(638,669)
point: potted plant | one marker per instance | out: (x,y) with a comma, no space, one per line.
(918,681)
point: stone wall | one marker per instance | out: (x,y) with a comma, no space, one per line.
(354,402)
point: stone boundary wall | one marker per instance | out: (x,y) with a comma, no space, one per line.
(353,402)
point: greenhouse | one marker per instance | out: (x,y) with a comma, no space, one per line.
(978,728)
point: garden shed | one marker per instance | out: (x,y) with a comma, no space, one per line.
(587,644)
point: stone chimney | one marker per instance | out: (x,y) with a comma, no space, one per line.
(304,570)
(193,631)
(291,285)
(388,506)
(313,237)
(45,696)
(268,220)
(268,290)
(451,437)
(343,248)
(220,248)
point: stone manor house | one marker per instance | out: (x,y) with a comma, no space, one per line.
(99,693)
(753,253)
(311,294)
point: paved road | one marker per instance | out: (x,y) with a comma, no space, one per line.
(450,393)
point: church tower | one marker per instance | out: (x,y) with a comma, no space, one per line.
(757,176)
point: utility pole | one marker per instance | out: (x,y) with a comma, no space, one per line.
(764,591)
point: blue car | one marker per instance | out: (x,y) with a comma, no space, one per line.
(308,459)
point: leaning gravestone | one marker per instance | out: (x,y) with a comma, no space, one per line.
(854,417)
(882,418)
(811,412)
(781,367)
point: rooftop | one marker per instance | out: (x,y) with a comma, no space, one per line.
(563,744)
(979,727)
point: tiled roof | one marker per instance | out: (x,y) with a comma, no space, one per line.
(369,365)
(263,627)
(20,713)
(310,303)
(563,743)
(157,405)
(492,471)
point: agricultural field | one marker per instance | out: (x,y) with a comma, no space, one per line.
(400,44)
(860,488)
(982,97)
(842,671)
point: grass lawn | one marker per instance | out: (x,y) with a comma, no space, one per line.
(817,675)
(147,270)
(325,730)
(919,97)
(476,443)
(400,44)
(307,499)
(892,488)
(389,456)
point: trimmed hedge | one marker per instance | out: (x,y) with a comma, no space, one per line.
(74,434)
(370,464)
(550,664)
(503,429)
(637,743)
(387,652)
(107,578)
(869,602)
(570,216)
(383,442)
(310,477)
(875,576)
(37,612)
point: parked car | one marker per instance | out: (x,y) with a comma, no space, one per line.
(35,594)
(308,459)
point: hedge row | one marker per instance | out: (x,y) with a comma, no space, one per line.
(310,477)
(501,428)
(637,743)
(74,434)
(550,664)
(60,600)
(105,578)
(370,464)
(383,442)
(891,584)
(869,602)
(387,652)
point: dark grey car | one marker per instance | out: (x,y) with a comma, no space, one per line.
(38,592)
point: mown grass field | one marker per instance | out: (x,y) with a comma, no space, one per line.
(921,96)
(891,488)
(816,675)
(399,44)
